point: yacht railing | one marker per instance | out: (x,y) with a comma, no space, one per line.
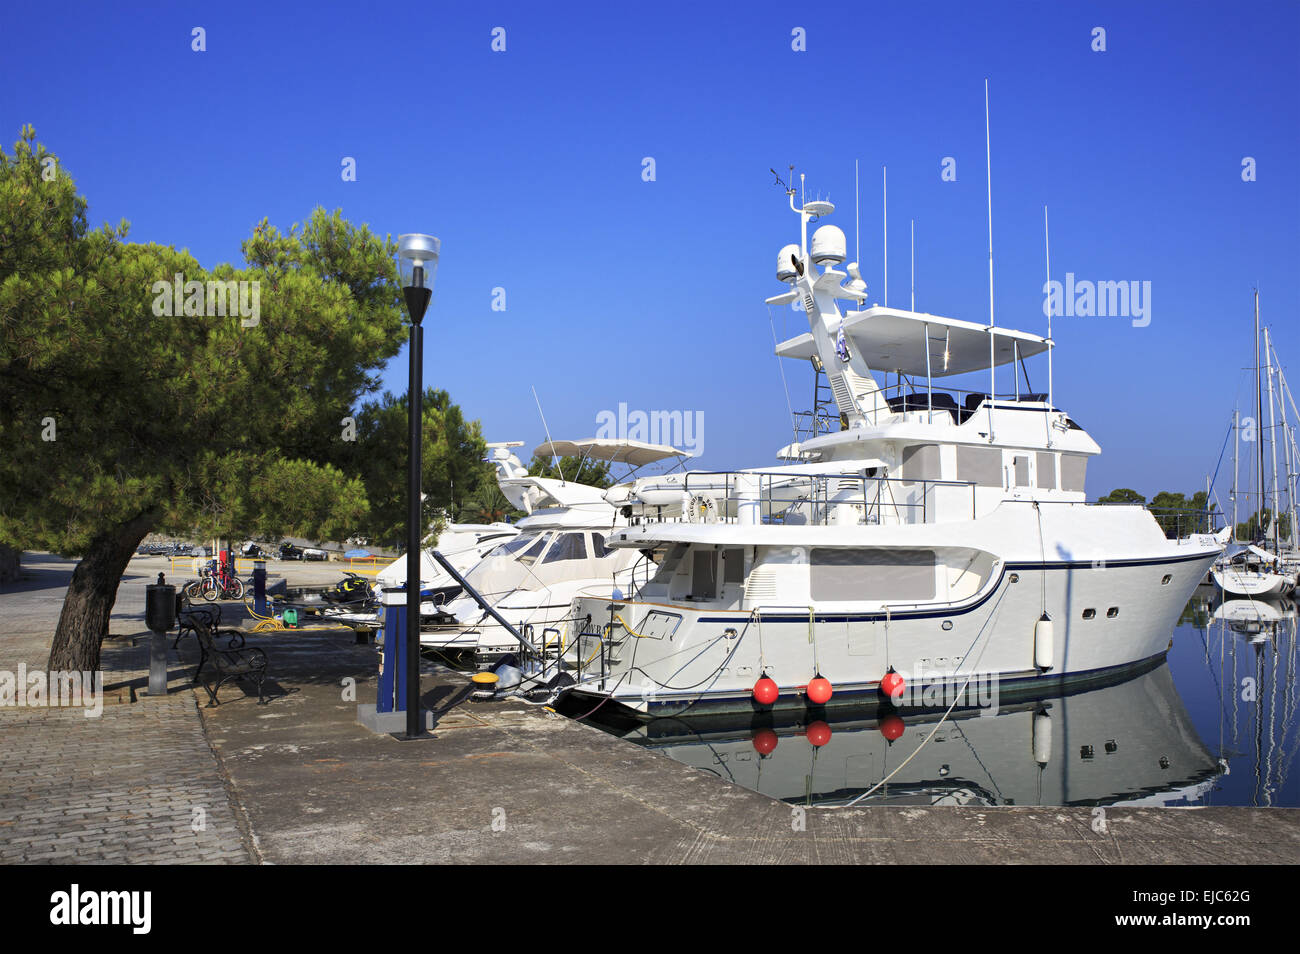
(942,404)
(1176,522)
(774,497)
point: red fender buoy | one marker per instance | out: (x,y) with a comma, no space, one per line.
(765,691)
(892,685)
(819,733)
(891,727)
(765,741)
(819,690)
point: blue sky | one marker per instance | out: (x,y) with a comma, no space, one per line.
(527,164)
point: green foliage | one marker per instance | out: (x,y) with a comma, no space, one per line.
(453,468)
(1123,495)
(1260,523)
(488,505)
(1177,514)
(579,470)
(195,421)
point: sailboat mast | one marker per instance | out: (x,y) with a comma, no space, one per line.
(1287,398)
(1272,431)
(1287,459)
(1236,424)
(1259,420)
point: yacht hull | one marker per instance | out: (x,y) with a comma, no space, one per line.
(1108,618)
(1259,585)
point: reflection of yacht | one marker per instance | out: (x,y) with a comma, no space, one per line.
(1255,618)
(560,553)
(937,530)
(1128,743)
(1255,664)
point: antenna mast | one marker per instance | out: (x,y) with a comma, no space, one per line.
(554,459)
(884,182)
(1047,245)
(857,238)
(988,166)
(914,266)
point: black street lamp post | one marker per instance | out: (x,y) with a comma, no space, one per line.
(418,261)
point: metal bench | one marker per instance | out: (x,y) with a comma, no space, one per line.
(231,663)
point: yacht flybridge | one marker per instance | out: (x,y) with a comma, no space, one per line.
(939,532)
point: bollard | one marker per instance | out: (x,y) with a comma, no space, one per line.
(160,617)
(259,587)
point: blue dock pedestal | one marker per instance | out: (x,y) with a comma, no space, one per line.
(388,713)
(259,588)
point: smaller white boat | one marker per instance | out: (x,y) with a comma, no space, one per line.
(464,545)
(559,555)
(1253,572)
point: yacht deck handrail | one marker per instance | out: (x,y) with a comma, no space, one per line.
(817,498)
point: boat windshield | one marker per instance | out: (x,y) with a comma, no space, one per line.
(521,542)
(529,556)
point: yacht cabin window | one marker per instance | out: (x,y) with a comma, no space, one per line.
(1022,470)
(521,542)
(921,462)
(980,465)
(567,546)
(1046,471)
(1073,468)
(887,575)
(530,555)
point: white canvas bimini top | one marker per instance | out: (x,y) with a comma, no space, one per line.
(614,450)
(892,339)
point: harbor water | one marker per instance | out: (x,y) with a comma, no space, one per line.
(1214,723)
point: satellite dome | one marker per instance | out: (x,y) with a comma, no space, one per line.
(828,246)
(785,270)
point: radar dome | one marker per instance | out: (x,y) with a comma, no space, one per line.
(828,246)
(785,270)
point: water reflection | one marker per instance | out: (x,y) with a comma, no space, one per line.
(1249,649)
(1215,724)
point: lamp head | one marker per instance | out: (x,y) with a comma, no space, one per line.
(417,261)
(416,251)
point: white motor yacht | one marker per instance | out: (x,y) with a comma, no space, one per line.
(940,530)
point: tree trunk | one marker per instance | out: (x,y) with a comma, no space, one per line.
(10,563)
(83,623)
